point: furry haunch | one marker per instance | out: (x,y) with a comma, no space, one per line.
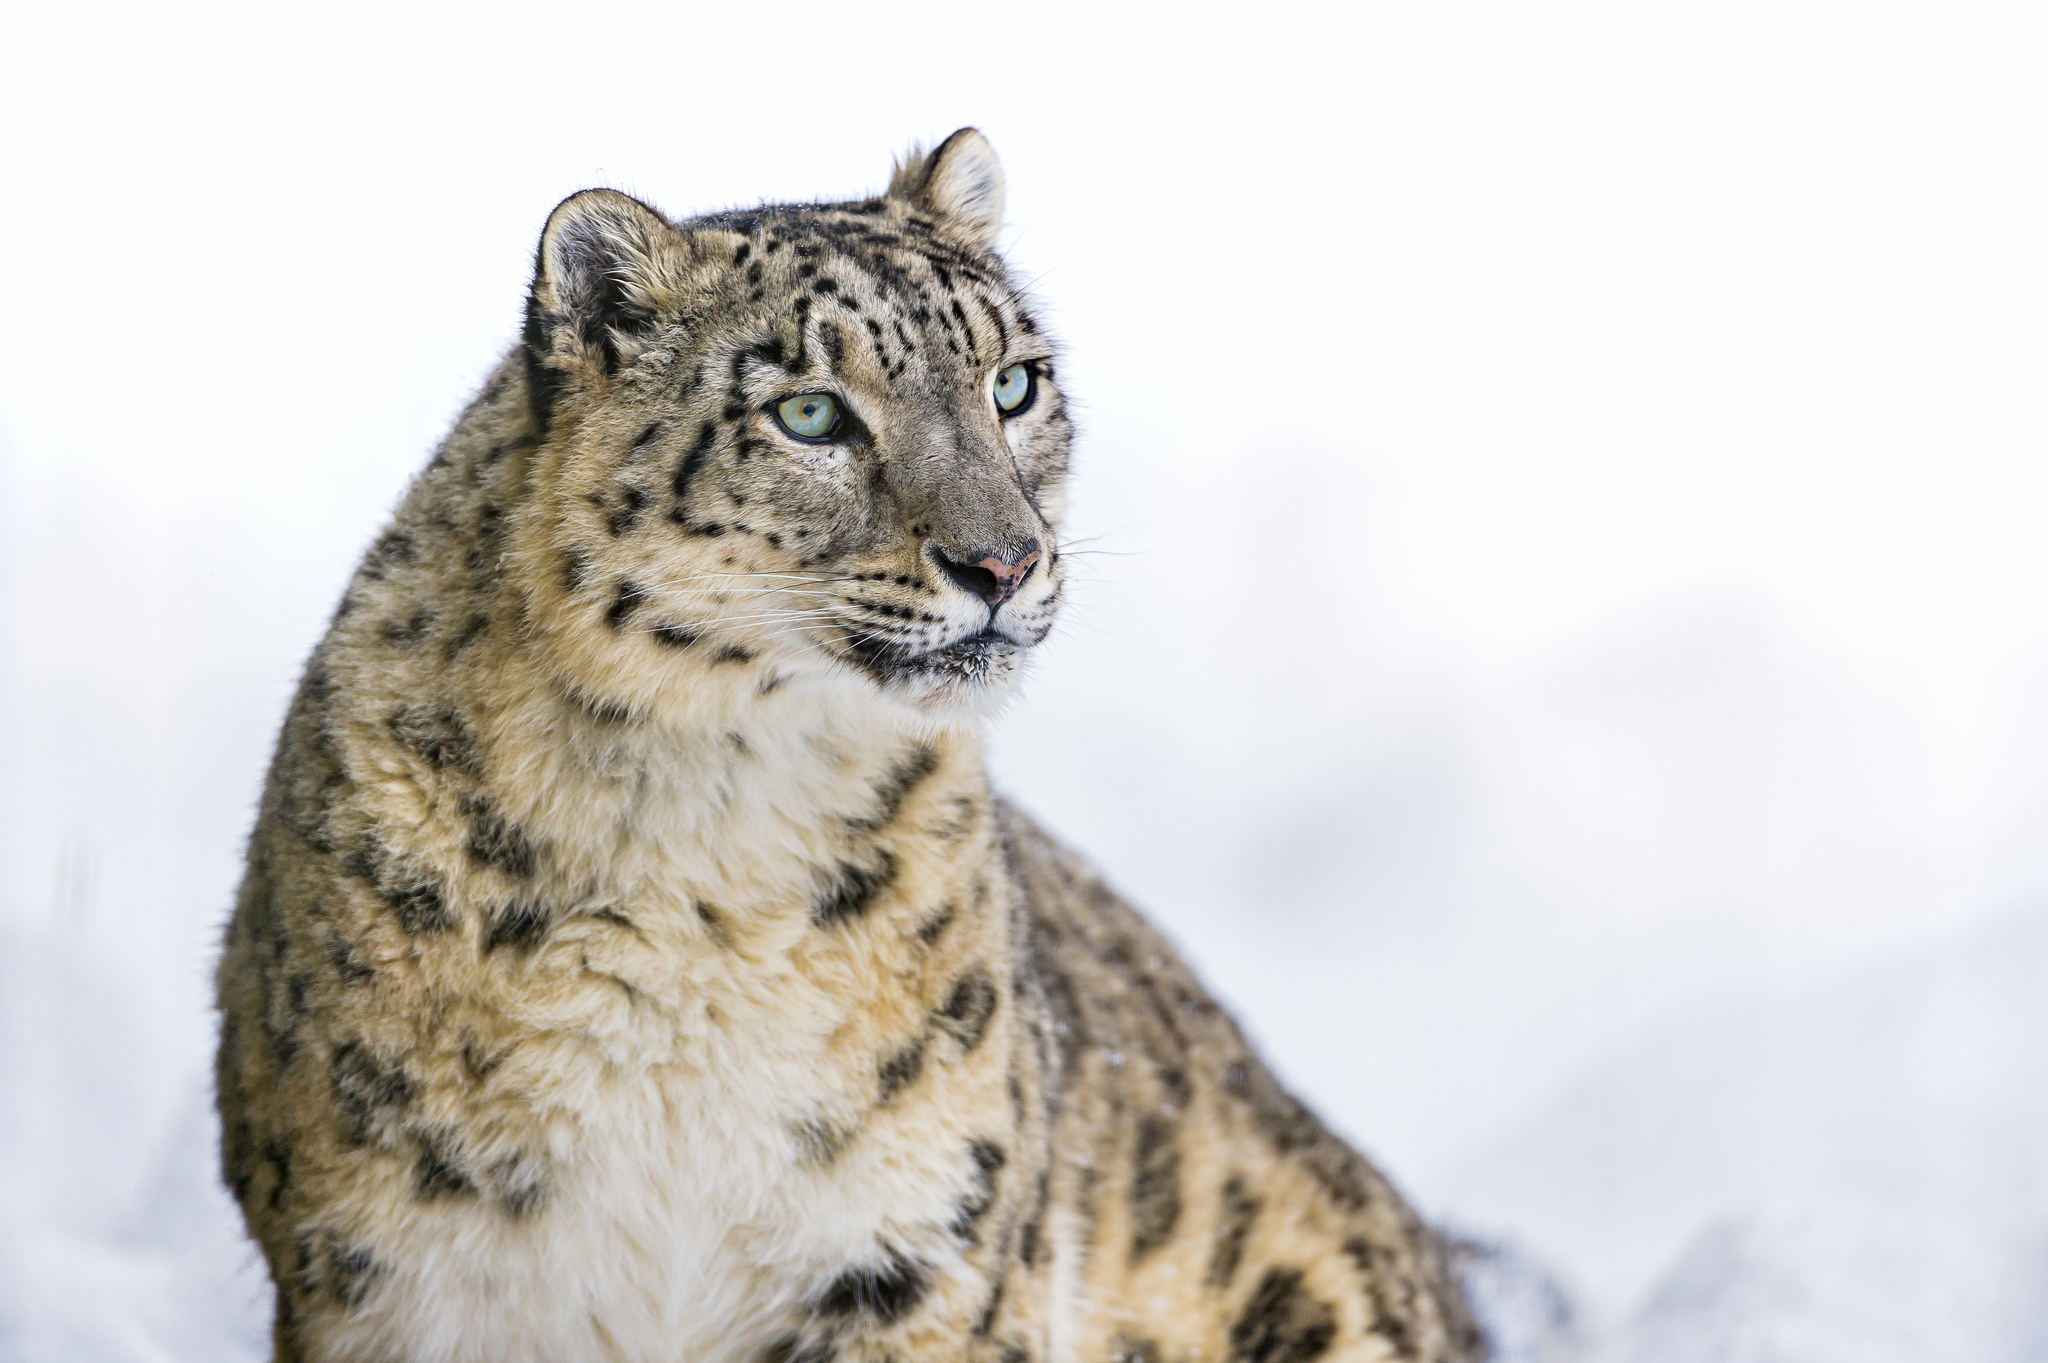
(632,961)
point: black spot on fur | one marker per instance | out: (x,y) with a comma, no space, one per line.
(1282,1323)
(490,518)
(367,1092)
(524,1199)
(614,916)
(420,907)
(409,631)
(522,924)
(1031,1236)
(437,1172)
(238,1134)
(675,636)
(393,547)
(366,861)
(819,1140)
(935,927)
(277,1154)
(439,735)
(790,1349)
(475,1059)
(885,1293)
(900,1070)
(969,1007)
(602,711)
(295,992)
(1233,1224)
(627,514)
(628,599)
(707,434)
(1385,1281)
(575,569)
(414,898)
(494,841)
(895,788)
(852,890)
(1155,1185)
(280,1020)
(1128,1349)
(472,630)
(962,813)
(1070,1024)
(347,968)
(714,923)
(327,1263)
(986,1321)
(734,654)
(988,1159)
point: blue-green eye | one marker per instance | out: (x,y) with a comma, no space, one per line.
(809,416)
(1013,387)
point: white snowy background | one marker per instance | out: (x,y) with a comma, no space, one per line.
(1567,656)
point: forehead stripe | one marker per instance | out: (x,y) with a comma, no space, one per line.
(960,315)
(995,316)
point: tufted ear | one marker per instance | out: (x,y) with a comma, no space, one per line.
(607,267)
(960,183)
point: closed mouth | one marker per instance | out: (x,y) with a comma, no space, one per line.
(971,660)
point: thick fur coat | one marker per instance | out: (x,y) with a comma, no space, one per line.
(633,963)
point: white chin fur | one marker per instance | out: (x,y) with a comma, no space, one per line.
(949,700)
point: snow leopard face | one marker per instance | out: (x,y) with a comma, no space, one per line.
(821,437)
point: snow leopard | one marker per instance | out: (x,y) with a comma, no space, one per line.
(633,961)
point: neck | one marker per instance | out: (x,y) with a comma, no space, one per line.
(748,794)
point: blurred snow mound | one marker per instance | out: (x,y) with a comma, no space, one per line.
(117,1246)
(1526,1316)
(1847,1282)
(177,1280)
(1859,1171)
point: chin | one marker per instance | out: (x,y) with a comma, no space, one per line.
(956,685)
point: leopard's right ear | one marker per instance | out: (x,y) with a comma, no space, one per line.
(608,269)
(960,182)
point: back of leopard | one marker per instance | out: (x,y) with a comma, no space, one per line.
(633,962)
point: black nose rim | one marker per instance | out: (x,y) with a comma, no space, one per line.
(990,575)
(970,578)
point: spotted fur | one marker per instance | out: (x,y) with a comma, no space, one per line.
(632,961)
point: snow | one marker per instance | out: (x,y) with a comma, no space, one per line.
(118,1243)
(1854,1173)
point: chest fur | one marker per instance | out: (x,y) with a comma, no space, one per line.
(739,1031)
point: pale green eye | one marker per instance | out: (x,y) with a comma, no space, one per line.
(809,416)
(1013,387)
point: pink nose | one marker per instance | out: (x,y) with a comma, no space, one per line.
(991,577)
(1009,576)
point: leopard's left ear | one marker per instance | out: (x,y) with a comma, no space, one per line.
(960,183)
